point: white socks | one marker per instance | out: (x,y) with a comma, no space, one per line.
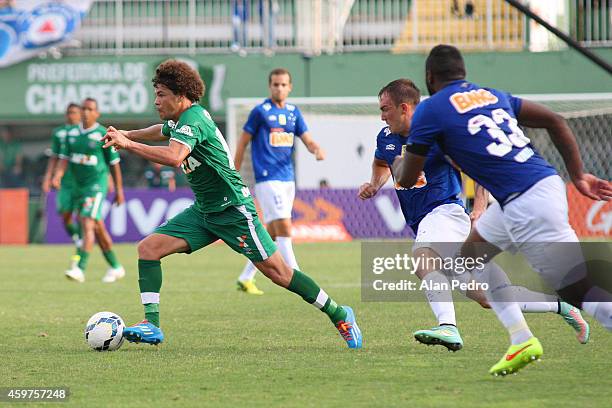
(535,302)
(503,304)
(598,303)
(286,249)
(440,301)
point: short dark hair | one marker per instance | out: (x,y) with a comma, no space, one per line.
(401,91)
(445,63)
(90,99)
(180,78)
(278,71)
(73,105)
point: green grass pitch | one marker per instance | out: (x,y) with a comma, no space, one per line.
(225,348)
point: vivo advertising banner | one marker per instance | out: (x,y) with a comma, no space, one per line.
(319,215)
(29,27)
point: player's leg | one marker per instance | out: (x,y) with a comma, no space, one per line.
(240,228)
(488,238)
(65,207)
(552,248)
(183,233)
(435,239)
(90,209)
(105,242)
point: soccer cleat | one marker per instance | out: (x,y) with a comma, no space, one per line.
(517,357)
(113,274)
(249,287)
(143,332)
(75,274)
(572,316)
(349,330)
(444,335)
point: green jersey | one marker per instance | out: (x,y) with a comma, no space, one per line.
(58,138)
(209,167)
(89,161)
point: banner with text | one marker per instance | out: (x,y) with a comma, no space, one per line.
(318,215)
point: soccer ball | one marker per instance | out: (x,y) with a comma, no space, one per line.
(104,331)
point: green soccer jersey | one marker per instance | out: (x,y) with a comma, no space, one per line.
(209,167)
(58,138)
(89,161)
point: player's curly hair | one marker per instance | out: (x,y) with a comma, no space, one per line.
(180,78)
(401,91)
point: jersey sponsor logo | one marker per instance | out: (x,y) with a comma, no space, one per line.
(190,164)
(466,101)
(420,183)
(74,132)
(84,159)
(280,138)
(185,130)
(282,119)
(62,134)
(390,147)
(97,136)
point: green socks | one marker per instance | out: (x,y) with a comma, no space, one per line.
(74,228)
(84,257)
(150,281)
(111,259)
(301,284)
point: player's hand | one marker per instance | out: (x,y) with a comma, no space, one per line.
(119,198)
(56,181)
(115,138)
(46,185)
(367,190)
(594,187)
(475,214)
(320,154)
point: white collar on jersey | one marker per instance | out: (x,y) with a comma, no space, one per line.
(95,125)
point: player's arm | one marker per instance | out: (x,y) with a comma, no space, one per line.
(149,134)
(408,167)
(171,155)
(537,116)
(243,142)
(46,182)
(481,200)
(118,181)
(380,175)
(312,146)
(60,169)
(172,184)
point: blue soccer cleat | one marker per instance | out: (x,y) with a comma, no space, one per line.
(143,332)
(349,330)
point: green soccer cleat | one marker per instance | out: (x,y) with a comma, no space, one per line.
(572,316)
(517,357)
(249,287)
(444,335)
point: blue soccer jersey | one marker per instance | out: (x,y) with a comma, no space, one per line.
(477,128)
(274,130)
(440,182)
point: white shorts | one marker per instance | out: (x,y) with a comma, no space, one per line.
(532,224)
(444,224)
(275,198)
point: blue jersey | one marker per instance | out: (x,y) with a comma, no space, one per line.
(440,182)
(477,128)
(274,130)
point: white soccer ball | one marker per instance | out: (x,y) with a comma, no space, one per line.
(104,331)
